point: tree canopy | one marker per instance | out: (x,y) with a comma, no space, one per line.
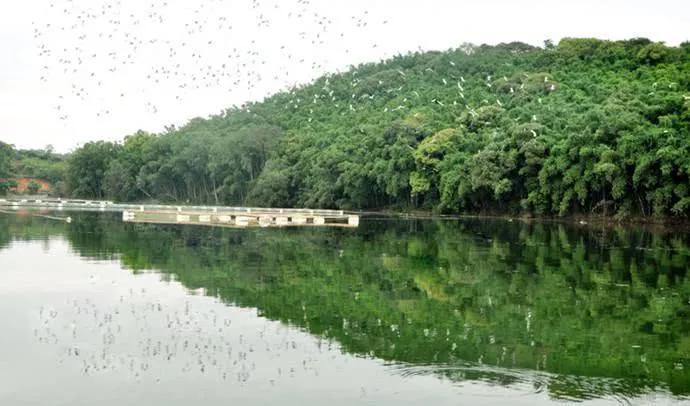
(6,156)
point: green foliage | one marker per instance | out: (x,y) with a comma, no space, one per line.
(4,187)
(6,157)
(587,126)
(33,187)
(86,169)
(654,53)
(41,164)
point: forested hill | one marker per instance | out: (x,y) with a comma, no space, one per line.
(585,126)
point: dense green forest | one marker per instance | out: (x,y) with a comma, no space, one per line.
(584,126)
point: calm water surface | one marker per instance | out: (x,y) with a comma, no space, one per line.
(392,313)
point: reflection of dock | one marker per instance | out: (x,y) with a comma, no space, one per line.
(198,215)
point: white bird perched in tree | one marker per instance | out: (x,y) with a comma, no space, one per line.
(546,79)
(488,78)
(499,102)
(444,82)
(534,117)
(512,90)
(539,100)
(505,78)
(553,87)
(462,79)
(452,63)
(534,133)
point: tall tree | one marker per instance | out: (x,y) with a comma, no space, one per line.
(87,167)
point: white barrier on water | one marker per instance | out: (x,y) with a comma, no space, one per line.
(205,215)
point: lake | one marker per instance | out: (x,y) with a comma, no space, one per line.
(394,312)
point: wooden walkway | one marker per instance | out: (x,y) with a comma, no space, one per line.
(223,216)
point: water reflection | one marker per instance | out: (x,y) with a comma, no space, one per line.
(542,309)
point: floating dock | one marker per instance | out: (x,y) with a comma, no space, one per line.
(224,216)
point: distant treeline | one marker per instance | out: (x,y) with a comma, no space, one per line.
(585,126)
(41,164)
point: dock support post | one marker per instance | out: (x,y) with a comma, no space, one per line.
(242,221)
(353,220)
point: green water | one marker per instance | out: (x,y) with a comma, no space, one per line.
(391,313)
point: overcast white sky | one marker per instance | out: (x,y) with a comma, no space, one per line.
(78,70)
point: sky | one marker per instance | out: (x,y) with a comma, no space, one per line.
(74,71)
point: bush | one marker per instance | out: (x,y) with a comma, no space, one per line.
(33,187)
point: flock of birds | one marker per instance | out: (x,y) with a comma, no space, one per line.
(144,336)
(408,98)
(94,50)
(112,53)
(146,339)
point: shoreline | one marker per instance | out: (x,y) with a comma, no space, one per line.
(648,222)
(666,223)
